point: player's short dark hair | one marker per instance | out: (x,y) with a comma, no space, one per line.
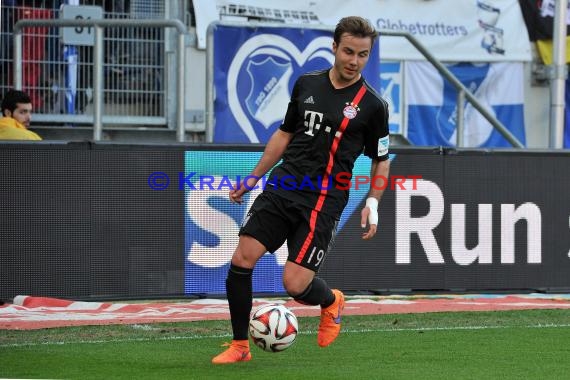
(356,26)
(12,98)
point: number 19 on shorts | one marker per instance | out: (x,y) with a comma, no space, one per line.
(316,257)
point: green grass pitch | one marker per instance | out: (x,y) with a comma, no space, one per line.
(532,344)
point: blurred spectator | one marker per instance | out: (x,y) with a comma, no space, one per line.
(17,114)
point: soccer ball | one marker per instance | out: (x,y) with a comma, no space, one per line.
(273,328)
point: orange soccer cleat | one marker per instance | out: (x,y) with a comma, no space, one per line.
(237,351)
(329,328)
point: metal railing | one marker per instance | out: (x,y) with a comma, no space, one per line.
(98,119)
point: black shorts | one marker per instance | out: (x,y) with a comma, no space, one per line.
(272,220)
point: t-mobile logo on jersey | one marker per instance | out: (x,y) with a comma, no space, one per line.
(313,121)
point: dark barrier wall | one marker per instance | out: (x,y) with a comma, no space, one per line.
(78,220)
(478,221)
(84,220)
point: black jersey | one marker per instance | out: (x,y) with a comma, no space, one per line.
(331,128)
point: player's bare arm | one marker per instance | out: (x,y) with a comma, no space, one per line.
(369,214)
(271,155)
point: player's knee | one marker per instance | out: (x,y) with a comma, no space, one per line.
(298,293)
(248,252)
(240,259)
(296,279)
(294,287)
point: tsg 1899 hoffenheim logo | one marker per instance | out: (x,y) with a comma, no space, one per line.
(261,76)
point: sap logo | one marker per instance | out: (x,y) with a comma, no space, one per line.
(269,62)
(424,226)
(208,218)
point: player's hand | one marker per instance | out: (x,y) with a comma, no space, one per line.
(369,216)
(241,188)
(236,194)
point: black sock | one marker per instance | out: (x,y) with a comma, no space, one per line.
(317,293)
(239,291)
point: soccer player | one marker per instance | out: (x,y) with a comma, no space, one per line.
(17,114)
(333,117)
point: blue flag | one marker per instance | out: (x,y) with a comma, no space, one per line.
(432,103)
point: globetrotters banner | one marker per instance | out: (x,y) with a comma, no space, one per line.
(255,69)
(466,30)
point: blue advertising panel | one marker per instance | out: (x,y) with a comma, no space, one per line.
(212,222)
(254,73)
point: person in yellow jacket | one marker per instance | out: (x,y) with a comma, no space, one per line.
(17,114)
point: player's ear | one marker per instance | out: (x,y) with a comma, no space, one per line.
(334,47)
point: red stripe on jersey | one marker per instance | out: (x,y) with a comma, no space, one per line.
(325,182)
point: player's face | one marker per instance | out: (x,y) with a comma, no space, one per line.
(22,113)
(351,55)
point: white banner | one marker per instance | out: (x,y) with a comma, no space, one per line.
(452,30)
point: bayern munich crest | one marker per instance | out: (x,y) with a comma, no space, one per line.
(350,111)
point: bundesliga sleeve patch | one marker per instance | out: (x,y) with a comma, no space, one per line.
(383,145)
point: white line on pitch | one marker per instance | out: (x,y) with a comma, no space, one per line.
(306,332)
